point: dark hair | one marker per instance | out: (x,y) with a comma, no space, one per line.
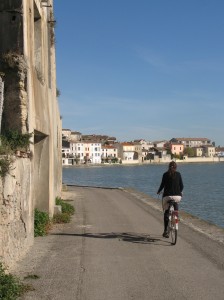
(172,168)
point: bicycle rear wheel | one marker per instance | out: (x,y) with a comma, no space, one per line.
(173,235)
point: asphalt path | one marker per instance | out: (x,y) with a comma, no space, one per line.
(114,250)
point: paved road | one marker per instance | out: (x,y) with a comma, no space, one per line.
(113,250)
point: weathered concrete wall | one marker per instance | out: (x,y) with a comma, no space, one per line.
(12,34)
(15,110)
(13,65)
(27,59)
(16,212)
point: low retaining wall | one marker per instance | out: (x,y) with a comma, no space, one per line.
(200,159)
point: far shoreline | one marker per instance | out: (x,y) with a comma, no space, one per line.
(89,165)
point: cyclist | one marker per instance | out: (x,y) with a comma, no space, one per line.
(172,186)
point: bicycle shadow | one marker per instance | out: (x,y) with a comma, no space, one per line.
(137,238)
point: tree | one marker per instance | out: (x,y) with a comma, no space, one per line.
(189,151)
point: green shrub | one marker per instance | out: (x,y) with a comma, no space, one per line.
(65,207)
(41,223)
(62,218)
(5,146)
(16,140)
(5,166)
(10,286)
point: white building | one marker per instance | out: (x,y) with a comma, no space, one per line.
(65,149)
(78,151)
(95,152)
(209,151)
(160,144)
(128,150)
(88,152)
(109,152)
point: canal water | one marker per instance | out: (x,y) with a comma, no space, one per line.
(203,184)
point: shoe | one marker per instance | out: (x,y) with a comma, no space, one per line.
(165,234)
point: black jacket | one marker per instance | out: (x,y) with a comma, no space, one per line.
(172,184)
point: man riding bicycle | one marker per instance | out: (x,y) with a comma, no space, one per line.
(173,186)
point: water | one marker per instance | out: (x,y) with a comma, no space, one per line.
(203,184)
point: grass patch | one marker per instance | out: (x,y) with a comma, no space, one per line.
(61,218)
(65,207)
(67,210)
(10,286)
(42,223)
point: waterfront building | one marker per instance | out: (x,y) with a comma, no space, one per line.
(66,134)
(191,142)
(160,144)
(69,135)
(77,150)
(144,144)
(65,149)
(81,153)
(143,148)
(95,152)
(177,149)
(138,151)
(75,136)
(128,151)
(198,151)
(109,152)
(103,139)
(219,151)
(209,151)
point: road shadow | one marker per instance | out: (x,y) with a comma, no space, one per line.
(139,238)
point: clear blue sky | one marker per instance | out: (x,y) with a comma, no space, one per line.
(151,69)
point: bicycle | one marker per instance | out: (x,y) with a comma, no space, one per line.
(173,222)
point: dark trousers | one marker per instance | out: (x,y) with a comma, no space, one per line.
(166,216)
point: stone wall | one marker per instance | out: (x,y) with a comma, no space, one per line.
(27,61)
(16,212)
(15,111)
(1,99)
